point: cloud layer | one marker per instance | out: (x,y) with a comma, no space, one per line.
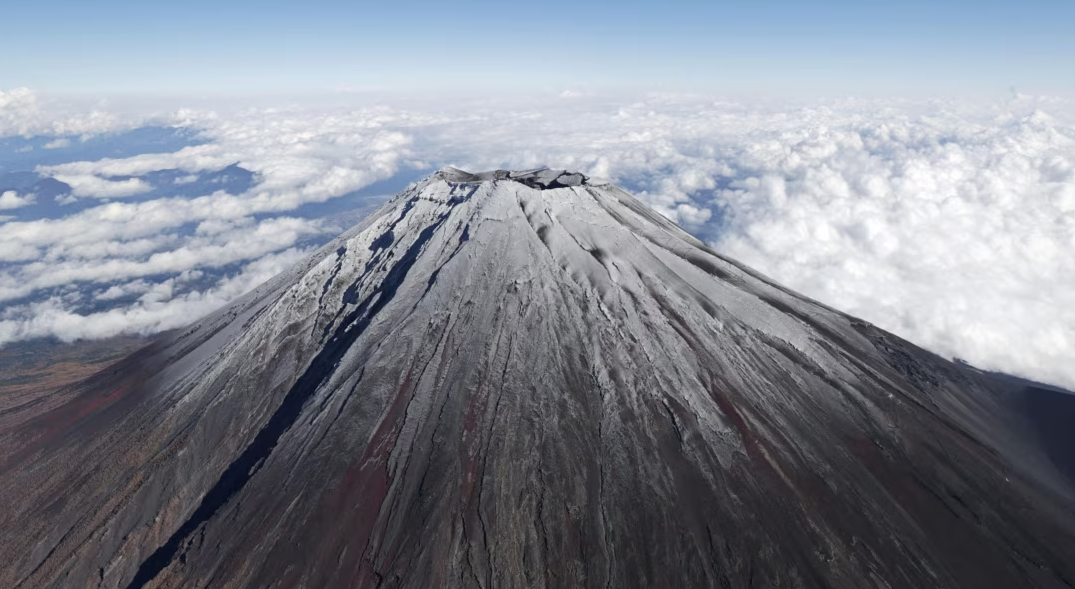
(10,199)
(22,114)
(949,223)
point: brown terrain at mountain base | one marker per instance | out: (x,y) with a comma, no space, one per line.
(33,374)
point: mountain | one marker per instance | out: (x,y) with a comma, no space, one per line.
(525,379)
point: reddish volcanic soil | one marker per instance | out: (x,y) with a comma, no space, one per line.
(32,374)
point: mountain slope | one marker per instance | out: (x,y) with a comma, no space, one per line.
(523,379)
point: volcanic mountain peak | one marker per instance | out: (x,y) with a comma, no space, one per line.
(540,178)
(511,379)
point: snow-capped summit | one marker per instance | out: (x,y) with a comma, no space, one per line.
(509,379)
(541,178)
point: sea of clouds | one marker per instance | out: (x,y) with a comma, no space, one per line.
(947,222)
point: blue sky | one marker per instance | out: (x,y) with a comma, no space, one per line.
(63,46)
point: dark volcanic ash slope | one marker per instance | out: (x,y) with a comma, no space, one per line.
(524,380)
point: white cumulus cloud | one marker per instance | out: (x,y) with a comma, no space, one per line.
(93,186)
(22,113)
(157,310)
(950,223)
(11,200)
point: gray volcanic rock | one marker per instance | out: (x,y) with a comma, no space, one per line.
(527,380)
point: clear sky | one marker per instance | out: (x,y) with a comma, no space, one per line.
(243,46)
